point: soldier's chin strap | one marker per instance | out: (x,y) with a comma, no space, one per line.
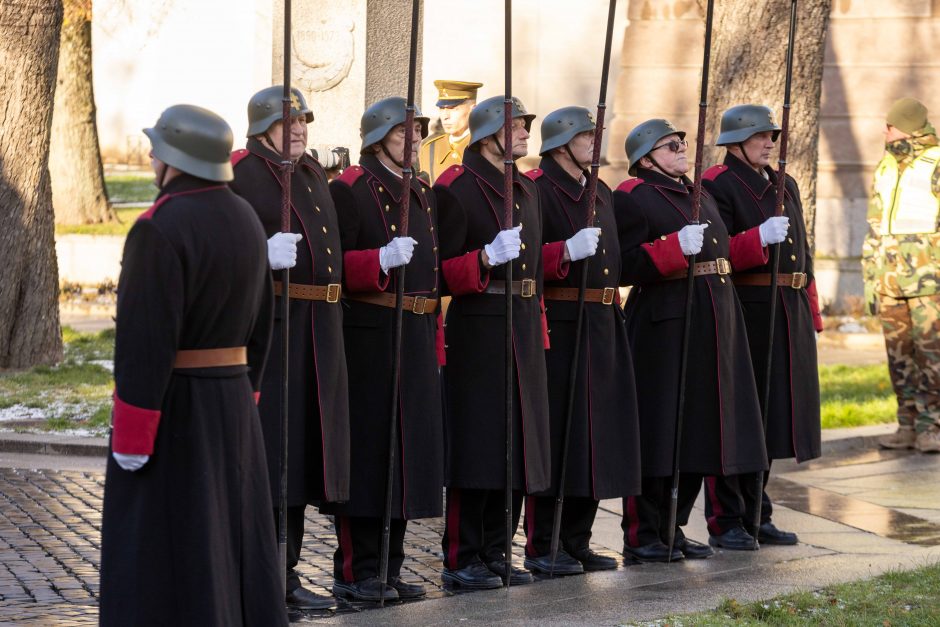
(660,168)
(400,164)
(746,158)
(584,171)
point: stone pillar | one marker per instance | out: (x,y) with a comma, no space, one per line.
(660,73)
(345,56)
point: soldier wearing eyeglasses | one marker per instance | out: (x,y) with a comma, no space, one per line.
(745,189)
(721,432)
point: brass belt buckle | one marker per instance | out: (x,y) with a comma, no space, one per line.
(528,288)
(332,292)
(417,307)
(608,297)
(723,265)
(798,280)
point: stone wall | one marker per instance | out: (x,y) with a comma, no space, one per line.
(877,51)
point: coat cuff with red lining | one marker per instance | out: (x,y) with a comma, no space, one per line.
(554,265)
(464,274)
(362,271)
(666,254)
(133,429)
(746,251)
(813,296)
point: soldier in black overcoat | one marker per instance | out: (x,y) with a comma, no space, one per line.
(318,412)
(368,201)
(745,189)
(604,447)
(186,492)
(475,245)
(721,432)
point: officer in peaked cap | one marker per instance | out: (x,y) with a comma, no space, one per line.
(318,411)
(455,99)
(186,495)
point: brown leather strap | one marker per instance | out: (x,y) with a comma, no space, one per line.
(524,288)
(719,266)
(415,304)
(605,296)
(797,280)
(330,293)
(211,357)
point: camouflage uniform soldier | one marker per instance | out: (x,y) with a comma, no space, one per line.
(455,99)
(900,261)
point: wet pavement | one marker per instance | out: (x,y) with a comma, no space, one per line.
(858,512)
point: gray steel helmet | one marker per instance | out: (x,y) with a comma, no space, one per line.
(267,107)
(740,122)
(193,140)
(487,117)
(644,136)
(382,117)
(559,127)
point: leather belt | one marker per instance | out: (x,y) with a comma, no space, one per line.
(211,357)
(720,266)
(524,288)
(797,280)
(330,293)
(415,304)
(605,296)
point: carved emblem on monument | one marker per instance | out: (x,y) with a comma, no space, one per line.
(323,54)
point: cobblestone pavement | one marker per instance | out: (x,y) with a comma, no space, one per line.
(50,527)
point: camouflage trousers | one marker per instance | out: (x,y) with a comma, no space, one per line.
(912,339)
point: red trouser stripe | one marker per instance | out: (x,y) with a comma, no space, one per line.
(453,527)
(633,536)
(712,491)
(345,539)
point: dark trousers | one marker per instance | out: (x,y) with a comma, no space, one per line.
(730,501)
(359,548)
(646,517)
(475,526)
(577,518)
(294,517)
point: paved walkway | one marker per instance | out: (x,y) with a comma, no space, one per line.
(858,511)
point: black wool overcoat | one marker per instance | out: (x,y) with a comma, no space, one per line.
(722,433)
(745,200)
(318,410)
(604,445)
(189,538)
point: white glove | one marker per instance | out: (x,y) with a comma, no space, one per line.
(130,462)
(505,247)
(396,253)
(774,230)
(691,238)
(282,250)
(583,243)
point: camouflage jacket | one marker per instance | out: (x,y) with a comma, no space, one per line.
(900,265)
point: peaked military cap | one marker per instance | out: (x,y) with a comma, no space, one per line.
(452,93)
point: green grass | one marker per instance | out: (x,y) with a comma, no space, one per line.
(122,188)
(126,217)
(895,598)
(130,188)
(73,394)
(853,396)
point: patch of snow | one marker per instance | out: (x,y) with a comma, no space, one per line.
(22,412)
(107,364)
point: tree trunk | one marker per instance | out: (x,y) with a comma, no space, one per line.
(748,66)
(78,192)
(29,308)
